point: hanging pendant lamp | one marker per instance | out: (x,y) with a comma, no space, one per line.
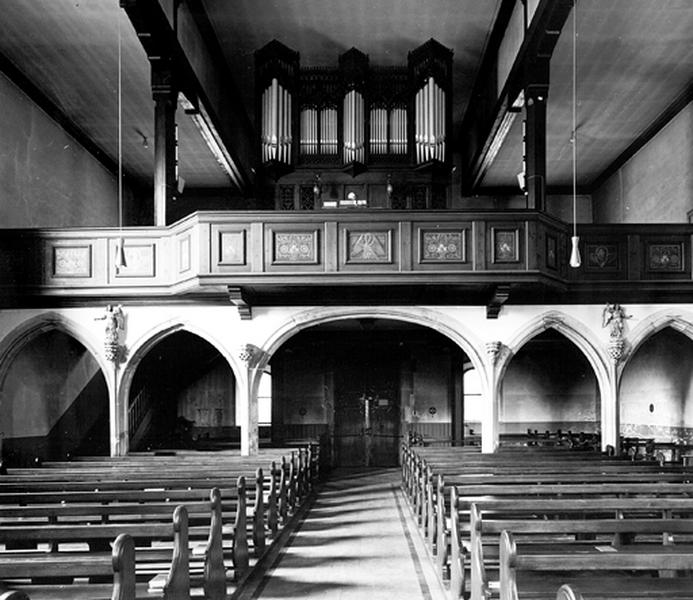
(575,260)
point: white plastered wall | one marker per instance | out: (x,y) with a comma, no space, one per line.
(248,345)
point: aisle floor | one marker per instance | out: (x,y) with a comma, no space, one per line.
(357,541)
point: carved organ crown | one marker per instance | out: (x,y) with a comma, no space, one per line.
(355,115)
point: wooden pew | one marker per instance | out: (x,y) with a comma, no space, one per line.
(117,494)
(604,574)
(121,566)
(128,510)
(18,569)
(559,528)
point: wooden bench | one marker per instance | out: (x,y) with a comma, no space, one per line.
(17,570)
(121,566)
(558,528)
(53,503)
(613,574)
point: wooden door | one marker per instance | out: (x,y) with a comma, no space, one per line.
(366,414)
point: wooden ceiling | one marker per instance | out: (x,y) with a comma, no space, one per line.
(634,61)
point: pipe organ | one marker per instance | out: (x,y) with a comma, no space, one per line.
(276,124)
(430,123)
(353,128)
(430,66)
(276,75)
(354,116)
(328,131)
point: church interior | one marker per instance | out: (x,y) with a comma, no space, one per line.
(419,246)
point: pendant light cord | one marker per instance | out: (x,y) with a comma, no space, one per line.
(574,132)
(120,128)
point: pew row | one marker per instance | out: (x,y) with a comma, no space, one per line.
(622,574)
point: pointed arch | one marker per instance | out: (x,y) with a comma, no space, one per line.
(681,321)
(573,330)
(156,334)
(12,344)
(140,348)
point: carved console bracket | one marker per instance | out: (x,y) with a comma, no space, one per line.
(500,296)
(237,298)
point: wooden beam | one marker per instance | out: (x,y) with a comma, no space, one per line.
(484,128)
(181,31)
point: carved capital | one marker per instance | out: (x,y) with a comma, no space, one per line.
(616,348)
(249,354)
(493,349)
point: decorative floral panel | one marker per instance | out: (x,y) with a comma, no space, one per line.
(72,261)
(295,247)
(443,246)
(665,258)
(369,247)
(602,257)
(505,246)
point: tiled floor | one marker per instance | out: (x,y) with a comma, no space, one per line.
(357,542)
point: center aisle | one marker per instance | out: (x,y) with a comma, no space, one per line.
(356,542)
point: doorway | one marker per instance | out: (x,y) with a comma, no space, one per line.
(367,418)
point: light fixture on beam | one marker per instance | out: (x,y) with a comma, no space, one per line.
(216,146)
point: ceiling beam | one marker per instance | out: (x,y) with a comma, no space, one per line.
(180,30)
(484,129)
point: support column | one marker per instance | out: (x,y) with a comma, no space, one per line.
(611,417)
(490,430)
(165,95)
(114,413)
(611,407)
(536,96)
(247,402)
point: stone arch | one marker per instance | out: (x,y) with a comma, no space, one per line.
(573,330)
(435,320)
(143,346)
(33,327)
(12,344)
(679,321)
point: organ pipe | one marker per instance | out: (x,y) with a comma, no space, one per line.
(354,150)
(429,127)
(276,123)
(398,131)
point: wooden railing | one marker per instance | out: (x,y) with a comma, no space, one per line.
(210,252)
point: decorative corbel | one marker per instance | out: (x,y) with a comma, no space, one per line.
(500,296)
(250,355)
(238,299)
(114,317)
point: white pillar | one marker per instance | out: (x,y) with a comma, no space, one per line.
(118,414)
(611,408)
(246,402)
(611,418)
(489,424)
